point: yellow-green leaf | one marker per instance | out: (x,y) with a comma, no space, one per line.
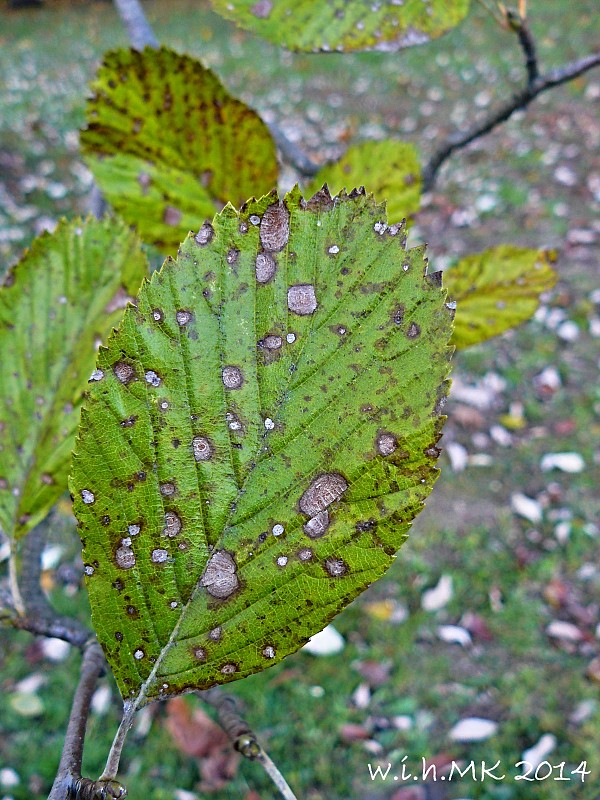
(343,25)
(389,169)
(263,435)
(168,145)
(497,290)
(65,295)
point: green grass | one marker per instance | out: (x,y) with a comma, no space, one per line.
(519,678)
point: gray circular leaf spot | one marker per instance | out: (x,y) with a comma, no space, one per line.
(302,299)
(386,444)
(275,227)
(159,556)
(205,235)
(202,448)
(232,377)
(265,267)
(220,576)
(272,342)
(167,489)
(229,669)
(172,524)
(88,497)
(124,558)
(322,492)
(336,567)
(183,317)
(318,525)
(123,372)
(269,651)
(152,378)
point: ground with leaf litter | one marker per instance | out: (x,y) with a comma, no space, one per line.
(491,611)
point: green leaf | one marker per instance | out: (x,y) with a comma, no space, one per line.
(312,25)
(389,169)
(497,290)
(65,294)
(168,145)
(264,434)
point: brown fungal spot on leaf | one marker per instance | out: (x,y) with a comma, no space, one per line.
(168,489)
(202,448)
(229,669)
(172,524)
(216,634)
(265,267)
(323,491)
(318,525)
(205,235)
(123,372)
(118,636)
(336,567)
(386,443)
(413,330)
(220,576)
(305,554)
(321,200)
(302,299)
(262,9)
(124,558)
(275,227)
(138,654)
(282,561)
(183,316)
(172,216)
(269,651)
(47,479)
(96,375)
(157,315)
(232,377)
(129,422)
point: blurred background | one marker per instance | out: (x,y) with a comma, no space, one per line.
(483,641)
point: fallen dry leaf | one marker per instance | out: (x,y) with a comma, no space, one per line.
(196,735)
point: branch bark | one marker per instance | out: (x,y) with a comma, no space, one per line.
(542,83)
(138,28)
(37,615)
(69,770)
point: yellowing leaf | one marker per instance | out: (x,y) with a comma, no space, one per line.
(264,433)
(312,25)
(168,145)
(497,290)
(65,294)
(389,169)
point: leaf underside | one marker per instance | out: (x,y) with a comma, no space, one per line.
(496,290)
(168,145)
(389,169)
(263,435)
(67,292)
(312,25)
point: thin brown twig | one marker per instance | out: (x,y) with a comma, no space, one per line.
(542,83)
